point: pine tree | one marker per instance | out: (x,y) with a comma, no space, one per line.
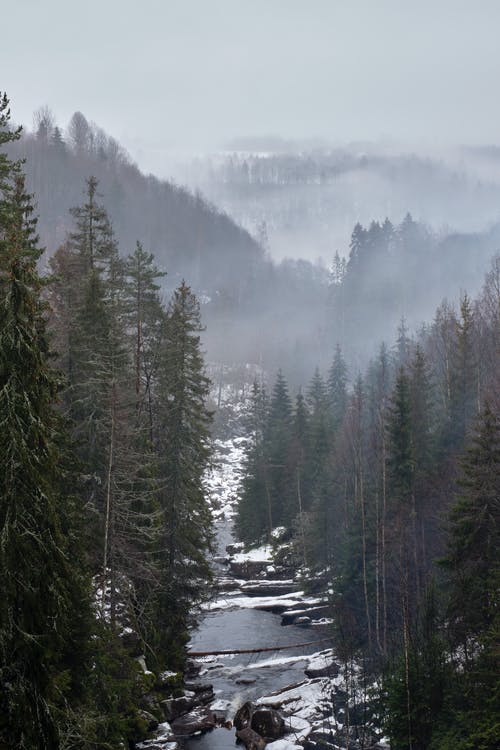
(44,601)
(252,517)
(401,458)
(183,455)
(279,482)
(464,376)
(472,559)
(337,388)
(145,317)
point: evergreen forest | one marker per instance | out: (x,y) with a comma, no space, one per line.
(371,448)
(104,441)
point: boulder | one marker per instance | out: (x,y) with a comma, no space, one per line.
(175,707)
(247,568)
(151,721)
(268,588)
(243,716)
(303,622)
(268,723)
(245,681)
(251,739)
(291,615)
(198,720)
(322,665)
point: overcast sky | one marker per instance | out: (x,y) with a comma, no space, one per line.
(163,75)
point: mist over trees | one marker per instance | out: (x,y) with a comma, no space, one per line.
(378,460)
(310,195)
(353,298)
(387,483)
(104,527)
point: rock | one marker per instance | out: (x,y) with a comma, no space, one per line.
(243,716)
(251,739)
(245,681)
(175,707)
(152,721)
(192,669)
(303,621)
(199,687)
(164,740)
(220,559)
(204,697)
(227,583)
(268,588)
(268,723)
(322,665)
(320,738)
(293,613)
(329,670)
(247,568)
(198,720)
(231,549)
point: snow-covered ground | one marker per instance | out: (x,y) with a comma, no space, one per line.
(307,705)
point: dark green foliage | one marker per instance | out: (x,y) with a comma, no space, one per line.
(472,559)
(337,389)
(421,687)
(130,510)
(376,481)
(401,459)
(183,455)
(44,618)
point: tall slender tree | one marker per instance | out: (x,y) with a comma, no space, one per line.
(44,601)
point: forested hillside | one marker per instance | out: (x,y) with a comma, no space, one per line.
(310,195)
(189,236)
(104,441)
(355,297)
(387,482)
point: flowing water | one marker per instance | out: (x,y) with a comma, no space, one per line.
(241,677)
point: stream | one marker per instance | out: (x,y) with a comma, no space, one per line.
(237,678)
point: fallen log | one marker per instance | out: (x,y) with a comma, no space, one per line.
(228,652)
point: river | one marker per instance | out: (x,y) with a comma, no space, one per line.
(241,677)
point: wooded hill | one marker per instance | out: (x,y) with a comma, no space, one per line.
(104,527)
(390,491)
(189,236)
(255,310)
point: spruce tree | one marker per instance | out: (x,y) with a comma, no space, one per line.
(183,456)
(44,601)
(277,439)
(337,388)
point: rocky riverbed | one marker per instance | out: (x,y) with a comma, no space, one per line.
(294,697)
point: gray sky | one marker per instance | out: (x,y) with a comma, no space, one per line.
(163,75)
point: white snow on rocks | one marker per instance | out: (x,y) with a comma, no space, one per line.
(257,554)
(283,601)
(163,739)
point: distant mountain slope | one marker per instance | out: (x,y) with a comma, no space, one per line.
(311,199)
(189,236)
(286,313)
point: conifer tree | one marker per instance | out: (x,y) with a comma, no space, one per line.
(277,437)
(252,518)
(337,388)
(472,559)
(184,452)
(145,317)
(44,601)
